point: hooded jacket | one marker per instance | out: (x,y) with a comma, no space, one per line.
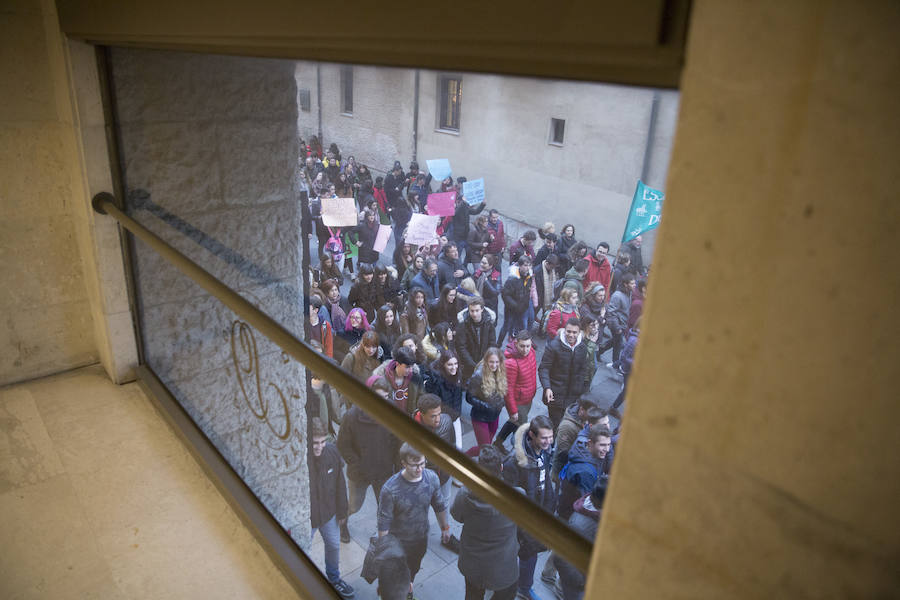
(559,316)
(583,521)
(431,288)
(521,377)
(327,488)
(562,367)
(484,408)
(404,395)
(367,446)
(472,341)
(599,269)
(578,476)
(522,468)
(449,393)
(488,544)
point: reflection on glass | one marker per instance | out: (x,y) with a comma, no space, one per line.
(480,265)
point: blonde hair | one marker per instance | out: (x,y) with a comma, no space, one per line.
(492,383)
(565,296)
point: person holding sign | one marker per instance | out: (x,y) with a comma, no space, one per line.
(459,228)
(397,205)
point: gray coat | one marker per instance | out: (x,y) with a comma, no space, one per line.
(617,312)
(488,545)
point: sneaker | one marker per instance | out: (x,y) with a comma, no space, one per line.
(457,483)
(548,578)
(529,595)
(452,544)
(345,533)
(343,588)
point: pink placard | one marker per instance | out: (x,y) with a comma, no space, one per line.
(442,205)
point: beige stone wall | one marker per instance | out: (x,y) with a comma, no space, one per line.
(759,458)
(47,324)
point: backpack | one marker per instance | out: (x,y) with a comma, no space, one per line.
(334,245)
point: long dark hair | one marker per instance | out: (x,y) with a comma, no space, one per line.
(437,366)
(392,331)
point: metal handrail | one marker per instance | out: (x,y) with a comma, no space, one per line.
(543,526)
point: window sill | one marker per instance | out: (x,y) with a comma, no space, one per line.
(447,131)
(347,114)
(557,144)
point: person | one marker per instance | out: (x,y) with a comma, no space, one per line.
(544,282)
(565,243)
(489,543)
(583,469)
(450,269)
(388,286)
(474,335)
(620,268)
(479,240)
(323,402)
(427,280)
(486,392)
(518,297)
(414,318)
(520,361)
(364,357)
(599,269)
(367,231)
(498,237)
(528,467)
(444,308)
(403,258)
(327,270)
(488,281)
(342,186)
(380,196)
(403,507)
(634,251)
(318,329)
(413,269)
(563,309)
(439,339)
(546,250)
(442,379)
(335,313)
(398,373)
(459,230)
(637,302)
(327,501)
(617,317)
(398,207)
(366,293)
(578,417)
(387,326)
(626,362)
(368,449)
(354,327)
(574,277)
(562,368)
(524,246)
(584,521)
(430,415)
(594,304)
(593,341)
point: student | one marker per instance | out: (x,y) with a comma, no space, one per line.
(403,507)
(327,501)
(521,383)
(442,379)
(486,392)
(474,335)
(387,326)
(562,369)
(414,318)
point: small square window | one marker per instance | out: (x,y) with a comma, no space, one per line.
(557,131)
(449,100)
(347,90)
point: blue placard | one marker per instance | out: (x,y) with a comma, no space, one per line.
(439,168)
(473,191)
(646,207)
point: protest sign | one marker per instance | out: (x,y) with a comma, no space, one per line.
(646,207)
(439,169)
(339,212)
(473,191)
(422,229)
(442,204)
(381,238)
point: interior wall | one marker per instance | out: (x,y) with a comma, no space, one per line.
(47,324)
(759,457)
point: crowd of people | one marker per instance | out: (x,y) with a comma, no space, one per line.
(422,327)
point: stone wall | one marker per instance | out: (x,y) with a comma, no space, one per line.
(210,156)
(47,324)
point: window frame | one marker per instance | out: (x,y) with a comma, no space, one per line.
(346,81)
(551,137)
(440,106)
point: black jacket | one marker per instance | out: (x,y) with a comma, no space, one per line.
(367,237)
(472,341)
(368,447)
(327,488)
(484,409)
(516,295)
(562,368)
(460,232)
(521,469)
(450,394)
(446,268)
(393,190)
(366,296)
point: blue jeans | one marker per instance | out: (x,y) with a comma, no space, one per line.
(331,535)
(526,573)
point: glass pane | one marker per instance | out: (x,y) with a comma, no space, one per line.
(325,223)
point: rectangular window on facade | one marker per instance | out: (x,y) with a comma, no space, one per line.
(557,131)
(347,90)
(449,99)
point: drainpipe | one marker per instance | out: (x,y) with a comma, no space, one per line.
(651,130)
(319,99)
(416,119)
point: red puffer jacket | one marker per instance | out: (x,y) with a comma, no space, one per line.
(521,377)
